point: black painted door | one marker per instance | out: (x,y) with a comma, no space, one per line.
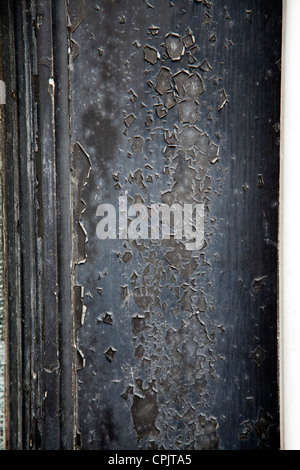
(153,171)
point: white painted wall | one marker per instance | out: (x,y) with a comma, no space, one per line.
(289,327)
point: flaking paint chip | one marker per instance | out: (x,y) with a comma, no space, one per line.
(205,66)
(161,111)
(222,99)
(188,111)
(175,46)
(194,85)
(189,39)
(110,354)
(108,318)
(127,257)
(180,80)
(137,144)
(149,121)
(258,356)
(154,30)
(151,54)
(258,283)
(163,82)
(129,120)
(169,99)
(138,324)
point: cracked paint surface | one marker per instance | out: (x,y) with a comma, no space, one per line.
(162,348)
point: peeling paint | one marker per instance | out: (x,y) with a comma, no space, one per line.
(155,326)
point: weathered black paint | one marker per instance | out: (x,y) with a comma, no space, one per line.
(38,244)
(175,349)
(205,353)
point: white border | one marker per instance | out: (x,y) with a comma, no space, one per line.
(289,325)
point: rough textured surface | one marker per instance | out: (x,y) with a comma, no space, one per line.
(39,347)
(141,343)
(180,107)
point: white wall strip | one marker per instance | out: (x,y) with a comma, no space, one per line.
(290,230)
